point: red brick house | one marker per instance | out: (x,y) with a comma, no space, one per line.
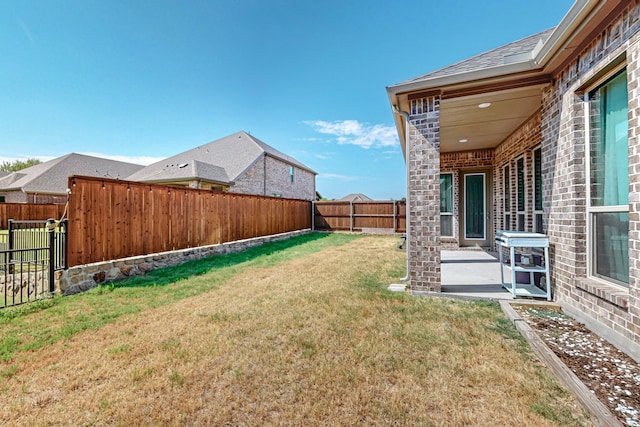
(539,135)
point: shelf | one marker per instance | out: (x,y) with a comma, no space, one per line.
(511,240)
(527,269)
(527,291)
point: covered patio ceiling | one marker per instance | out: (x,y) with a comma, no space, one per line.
(468,123)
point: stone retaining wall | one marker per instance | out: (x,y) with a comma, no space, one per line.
(84,277)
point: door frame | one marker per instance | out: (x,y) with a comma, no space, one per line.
(488,195)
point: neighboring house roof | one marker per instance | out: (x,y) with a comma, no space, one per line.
(170,171)
(220,161)
(515,51)
(356,197)
(52,177)
(4,173)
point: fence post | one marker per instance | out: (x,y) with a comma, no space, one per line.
(395,218)
(65,237)
(350,216)
(51,230)
(10,226)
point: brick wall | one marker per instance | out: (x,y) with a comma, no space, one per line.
(453,162)
(278,180)
(252,180)
(14,197)
(424,194)
(520,144)
(612,310)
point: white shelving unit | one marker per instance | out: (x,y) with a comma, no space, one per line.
(521,239)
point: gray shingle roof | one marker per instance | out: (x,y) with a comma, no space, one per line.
(492,58)
(221,161)
(51,177)
(192,169)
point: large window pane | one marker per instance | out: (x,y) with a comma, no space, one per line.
(609,180)
(611,246)
(609,144)
(446,192)
(446,225)
(446,204)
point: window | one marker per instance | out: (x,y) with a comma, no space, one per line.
(291,173)
(537,190)
(521,205)
(446,204)
(506,187)
(608,200)
(2,199)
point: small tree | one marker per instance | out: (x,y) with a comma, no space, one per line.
(16,165)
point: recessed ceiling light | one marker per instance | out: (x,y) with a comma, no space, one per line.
(485,105)
(463,140)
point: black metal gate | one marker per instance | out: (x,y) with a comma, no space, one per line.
(30,253)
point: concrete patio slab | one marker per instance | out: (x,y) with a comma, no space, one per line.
(471,275)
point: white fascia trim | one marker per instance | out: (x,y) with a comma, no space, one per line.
(452,79)
(571,21)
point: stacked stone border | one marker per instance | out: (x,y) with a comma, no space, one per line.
(84,277)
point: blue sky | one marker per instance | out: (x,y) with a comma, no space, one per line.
(141,80)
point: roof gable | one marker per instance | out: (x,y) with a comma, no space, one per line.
(226,158)
(51,177)
(356,197)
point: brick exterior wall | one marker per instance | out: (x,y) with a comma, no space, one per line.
(278,180)
(520,144)
(614,310)
(559,129)
(424,195)
(20,197)
(252,180)
(453,163)
(14,196)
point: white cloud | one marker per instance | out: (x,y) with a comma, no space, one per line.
(353,132)
(338,177)
(325,155)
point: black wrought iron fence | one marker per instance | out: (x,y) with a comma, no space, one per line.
(30,253)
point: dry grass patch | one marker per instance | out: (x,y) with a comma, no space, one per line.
(313,340)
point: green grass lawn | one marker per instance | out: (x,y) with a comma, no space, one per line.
(298,332)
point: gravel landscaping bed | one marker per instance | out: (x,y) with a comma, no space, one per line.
(610,374)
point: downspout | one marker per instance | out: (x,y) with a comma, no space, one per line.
(408,204)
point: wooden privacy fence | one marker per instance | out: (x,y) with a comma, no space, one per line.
(378,216)
(28,212)
(112,219)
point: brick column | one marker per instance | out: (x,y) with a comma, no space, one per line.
(424,194)
(633,74)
